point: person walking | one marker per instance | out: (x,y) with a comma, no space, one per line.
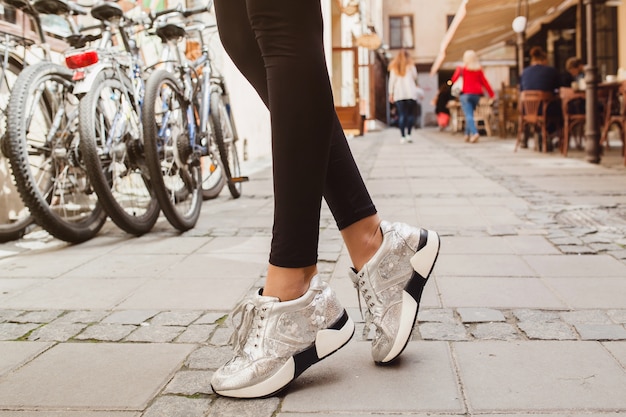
(296,319)
(440,101)
(403,92)
(474,82)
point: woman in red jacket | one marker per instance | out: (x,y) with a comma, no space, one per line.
(474,82)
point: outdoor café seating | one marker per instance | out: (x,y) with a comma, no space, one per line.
(573,117)
(534,116)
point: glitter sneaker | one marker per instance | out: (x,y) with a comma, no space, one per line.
(276,341)
(392,283)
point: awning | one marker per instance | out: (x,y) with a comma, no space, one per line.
(479,24)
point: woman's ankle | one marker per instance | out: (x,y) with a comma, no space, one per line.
(363,239)
(288,283)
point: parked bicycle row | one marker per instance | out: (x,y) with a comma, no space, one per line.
(104,135)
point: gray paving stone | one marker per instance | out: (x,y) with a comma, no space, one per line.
(221,336)
(618,350)
(196,333)
(226,407)
(38,316)
(175,318)
(7,315)
(155,334)
(209,357)
(190,383)
(440,315)
(443,331)
(601,331)
(56,332)
(13,331)
(494,331)
(345,382)
(537,376)
(100,376)
(586,317)
(15,354)
(618,316)
(211,318)
(135,317)
(480,315)
(106,332)
(577,250)
(536,315)
(82,316)
(174,406)
(547,330)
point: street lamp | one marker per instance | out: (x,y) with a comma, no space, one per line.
(519,27)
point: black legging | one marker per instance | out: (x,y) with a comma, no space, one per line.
(278,46)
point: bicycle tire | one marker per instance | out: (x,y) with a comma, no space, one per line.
(14,215)
(226,139)
(174,167)
(116,169)
(47,166)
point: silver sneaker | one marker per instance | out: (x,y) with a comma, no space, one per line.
(392,283)
(276,341)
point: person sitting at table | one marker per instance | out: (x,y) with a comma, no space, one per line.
(574,72)
(543,77)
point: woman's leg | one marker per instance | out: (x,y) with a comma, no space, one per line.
(411,109)
(402,116)
(468,106)
(344,189)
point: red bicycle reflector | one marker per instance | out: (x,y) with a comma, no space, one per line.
(78,76)
(81,59)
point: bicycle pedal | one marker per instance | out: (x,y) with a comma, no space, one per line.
(240,179)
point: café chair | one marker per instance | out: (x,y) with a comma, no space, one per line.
(614,113)
(507,111)
(533,109)
(571,121)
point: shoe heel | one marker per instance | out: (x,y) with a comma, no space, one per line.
(424,259)
(335,337)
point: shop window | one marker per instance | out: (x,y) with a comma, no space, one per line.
(401,32)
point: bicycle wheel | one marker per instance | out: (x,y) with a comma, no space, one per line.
(226,143)
(174,166)
(213,178)
(112,148)
(14,216)
(43,142)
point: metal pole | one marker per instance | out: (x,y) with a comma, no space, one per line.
(592,132)
(521,40)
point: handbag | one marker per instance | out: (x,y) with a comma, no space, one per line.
(457,87)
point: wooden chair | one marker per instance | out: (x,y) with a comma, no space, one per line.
(614,111)
(507,111)
(533,109)
(484,115)
(570,120)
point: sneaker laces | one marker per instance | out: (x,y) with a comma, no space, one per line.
(374,312)
(250,326)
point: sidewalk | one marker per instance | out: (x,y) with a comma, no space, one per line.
(525,313)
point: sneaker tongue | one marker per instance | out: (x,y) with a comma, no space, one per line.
(262,299)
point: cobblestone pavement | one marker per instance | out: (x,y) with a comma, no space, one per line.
(526,314)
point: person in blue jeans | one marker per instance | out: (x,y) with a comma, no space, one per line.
(403,92)
(474,84)
(296,319)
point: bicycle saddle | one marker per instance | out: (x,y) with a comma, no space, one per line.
(105,11)
(170,31)
(58,7)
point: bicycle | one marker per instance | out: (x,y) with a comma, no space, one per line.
(182,123)
(110,87)
(14,216)
(42,140)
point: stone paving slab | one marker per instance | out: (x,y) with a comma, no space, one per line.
(425,367)
(93,376)
(15,354)
(540,376)
(81,413)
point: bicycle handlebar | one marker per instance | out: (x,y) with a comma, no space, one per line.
(182,11)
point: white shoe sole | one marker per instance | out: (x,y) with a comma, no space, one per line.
(423,263)
(327,342)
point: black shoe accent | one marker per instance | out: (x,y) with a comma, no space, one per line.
(308,357)
(415,286)
(423,239)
